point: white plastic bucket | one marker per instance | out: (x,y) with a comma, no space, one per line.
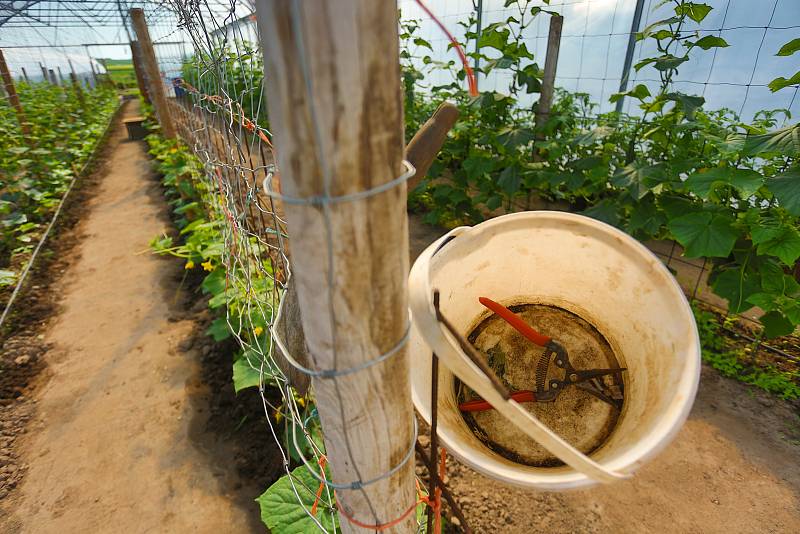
(590,269)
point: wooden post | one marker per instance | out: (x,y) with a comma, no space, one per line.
(549,81)
(138,68)
(155,86)
(56,81)
(25,75)
(75,83)
(13,98)
(335,106)
(45,77)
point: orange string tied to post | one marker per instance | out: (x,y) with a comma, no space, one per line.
(472,82)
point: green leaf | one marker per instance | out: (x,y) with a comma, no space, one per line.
(704,234)
(746,181)
(786,188)
(514,137)
(639,92)
(711,41)
(647,218)
(638,178)
(784,142)
(477,166)
(7,277)
(605,211)
(247,371)
(283,513)
(780,82)
(219,329)
(494,38)
(776,324)
(737,286)
(669,62)
(789,48)
(688,103)
(419,41)
(785,245)
(510,179)
(215,282)
(696,12)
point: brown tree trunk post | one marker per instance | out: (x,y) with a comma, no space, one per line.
(13,98)
(335,106)
(76,86)
(138,68)
(549,81)
(25,75)
(155,87)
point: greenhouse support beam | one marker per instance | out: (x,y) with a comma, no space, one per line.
(151,70)
(13,98)
(626,68)
(335,108)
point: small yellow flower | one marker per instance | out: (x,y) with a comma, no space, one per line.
(257,330)
(207,266)
(278,416)
(189,265)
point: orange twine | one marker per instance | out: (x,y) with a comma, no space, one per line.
(471,81)
(435,504)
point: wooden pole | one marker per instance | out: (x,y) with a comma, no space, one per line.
(45,77)
(155,87)
(25,75)
(13,97)
(549,81)
(75,83)
(138,68)
(335,107)
(56,81)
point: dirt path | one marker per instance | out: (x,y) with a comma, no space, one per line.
(734,467)
(118,440)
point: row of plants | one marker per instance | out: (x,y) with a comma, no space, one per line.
(36,169)
(232,294)
(724,189)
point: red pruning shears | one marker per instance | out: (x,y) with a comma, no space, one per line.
(587,380)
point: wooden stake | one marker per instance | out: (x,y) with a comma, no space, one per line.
(76,86)
(25,75)
(155,86)
(13,98)
(45,77)
(549,81)
(56,81)
(138,68)
(335,107)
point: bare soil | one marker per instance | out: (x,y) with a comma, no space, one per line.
(118,414)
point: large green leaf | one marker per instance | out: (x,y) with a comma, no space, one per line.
(688,103)
(784,244)
(786,188)
(711,41)
(784,142)
(780,82)
(746,181)
(510,179)
(605,211)
(695,11)
(789,48)
(478,165)
(284,504)
(737,286)
(638,178)
(776,324)
(646,217)
(704,234)
(247,370)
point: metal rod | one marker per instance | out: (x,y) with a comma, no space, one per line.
(445,492)
(433,472)
(626,69)
(478,30)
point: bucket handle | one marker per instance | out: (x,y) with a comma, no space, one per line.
(450,353)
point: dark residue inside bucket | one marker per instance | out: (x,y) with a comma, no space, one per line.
(580,418)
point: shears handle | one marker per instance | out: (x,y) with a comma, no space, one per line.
(480,405)
(513,319)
